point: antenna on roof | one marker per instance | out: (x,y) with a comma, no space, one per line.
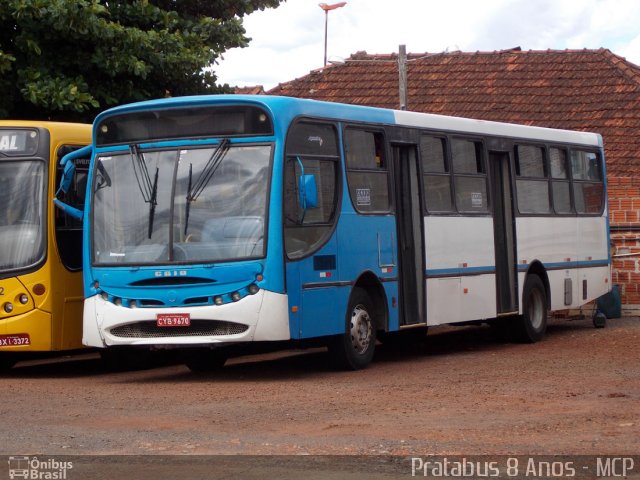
(402,73)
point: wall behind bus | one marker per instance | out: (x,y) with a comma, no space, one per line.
(624,217)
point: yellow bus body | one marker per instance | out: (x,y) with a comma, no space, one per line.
(52,316)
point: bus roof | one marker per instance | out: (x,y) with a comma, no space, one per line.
(290,108)
(40,123)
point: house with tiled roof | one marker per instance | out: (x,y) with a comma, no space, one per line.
(588,90)
(251,90)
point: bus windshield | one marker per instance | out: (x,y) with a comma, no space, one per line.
(22,213)
(186,205)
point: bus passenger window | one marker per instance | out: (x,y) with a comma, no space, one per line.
(469,176)
(312,148)
(436,176)
(532,185)
(560,182)
(588,188)
(367,172)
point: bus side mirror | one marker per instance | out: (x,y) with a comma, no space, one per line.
(308,191)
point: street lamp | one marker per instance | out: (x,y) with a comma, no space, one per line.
(326,9)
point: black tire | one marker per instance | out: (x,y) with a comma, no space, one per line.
(355,348)
(403,339)
(599,320)
(204,359)
(531,326)
(7,361)
(125,359)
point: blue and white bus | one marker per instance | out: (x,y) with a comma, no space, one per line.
(220,220)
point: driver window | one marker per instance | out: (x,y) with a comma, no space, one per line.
(311,148)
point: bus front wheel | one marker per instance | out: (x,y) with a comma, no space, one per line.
(532,324)
(7,361)
(354,349)
(204,359)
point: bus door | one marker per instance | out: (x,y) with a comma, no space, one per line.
(504,234)
(67,317)
(411,264)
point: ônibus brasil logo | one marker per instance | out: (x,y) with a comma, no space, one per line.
(36,469)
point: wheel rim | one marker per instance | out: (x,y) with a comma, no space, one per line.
(536,309)
(361,329)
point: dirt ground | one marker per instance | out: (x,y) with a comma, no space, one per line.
(461,391)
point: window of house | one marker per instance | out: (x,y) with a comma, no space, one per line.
(311,149)
(532,183)
(367,170)
(436,175)
(469,176)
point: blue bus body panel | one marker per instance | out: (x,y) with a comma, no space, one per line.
(368,244)
(359,244)
(200,282)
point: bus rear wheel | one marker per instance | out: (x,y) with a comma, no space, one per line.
(354,349)
(532,324)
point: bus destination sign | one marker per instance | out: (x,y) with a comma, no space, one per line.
(18,142)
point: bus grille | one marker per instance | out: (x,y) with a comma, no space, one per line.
(198,328)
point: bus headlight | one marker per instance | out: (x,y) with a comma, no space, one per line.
(24,299)
(8,307)
(218,300)
(253,289)
(235,296)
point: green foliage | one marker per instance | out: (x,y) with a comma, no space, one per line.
(70,59)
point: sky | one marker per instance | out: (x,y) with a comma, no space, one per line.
(288,42)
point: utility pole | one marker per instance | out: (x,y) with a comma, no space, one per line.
(402,74)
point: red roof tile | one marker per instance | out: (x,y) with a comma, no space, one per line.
(255,90)
(589,90)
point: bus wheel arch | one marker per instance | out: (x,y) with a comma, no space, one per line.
(372,285)
(531,325)
(536,268)
(364,316)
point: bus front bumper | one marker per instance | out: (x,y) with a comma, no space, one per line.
(27,332)
(260,317)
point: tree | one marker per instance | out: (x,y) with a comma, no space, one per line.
(70,59)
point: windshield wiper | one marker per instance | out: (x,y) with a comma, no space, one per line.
(193,192)
(188,206)
(148,189)
(153,202)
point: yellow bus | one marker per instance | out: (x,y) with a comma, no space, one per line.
(40,247)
